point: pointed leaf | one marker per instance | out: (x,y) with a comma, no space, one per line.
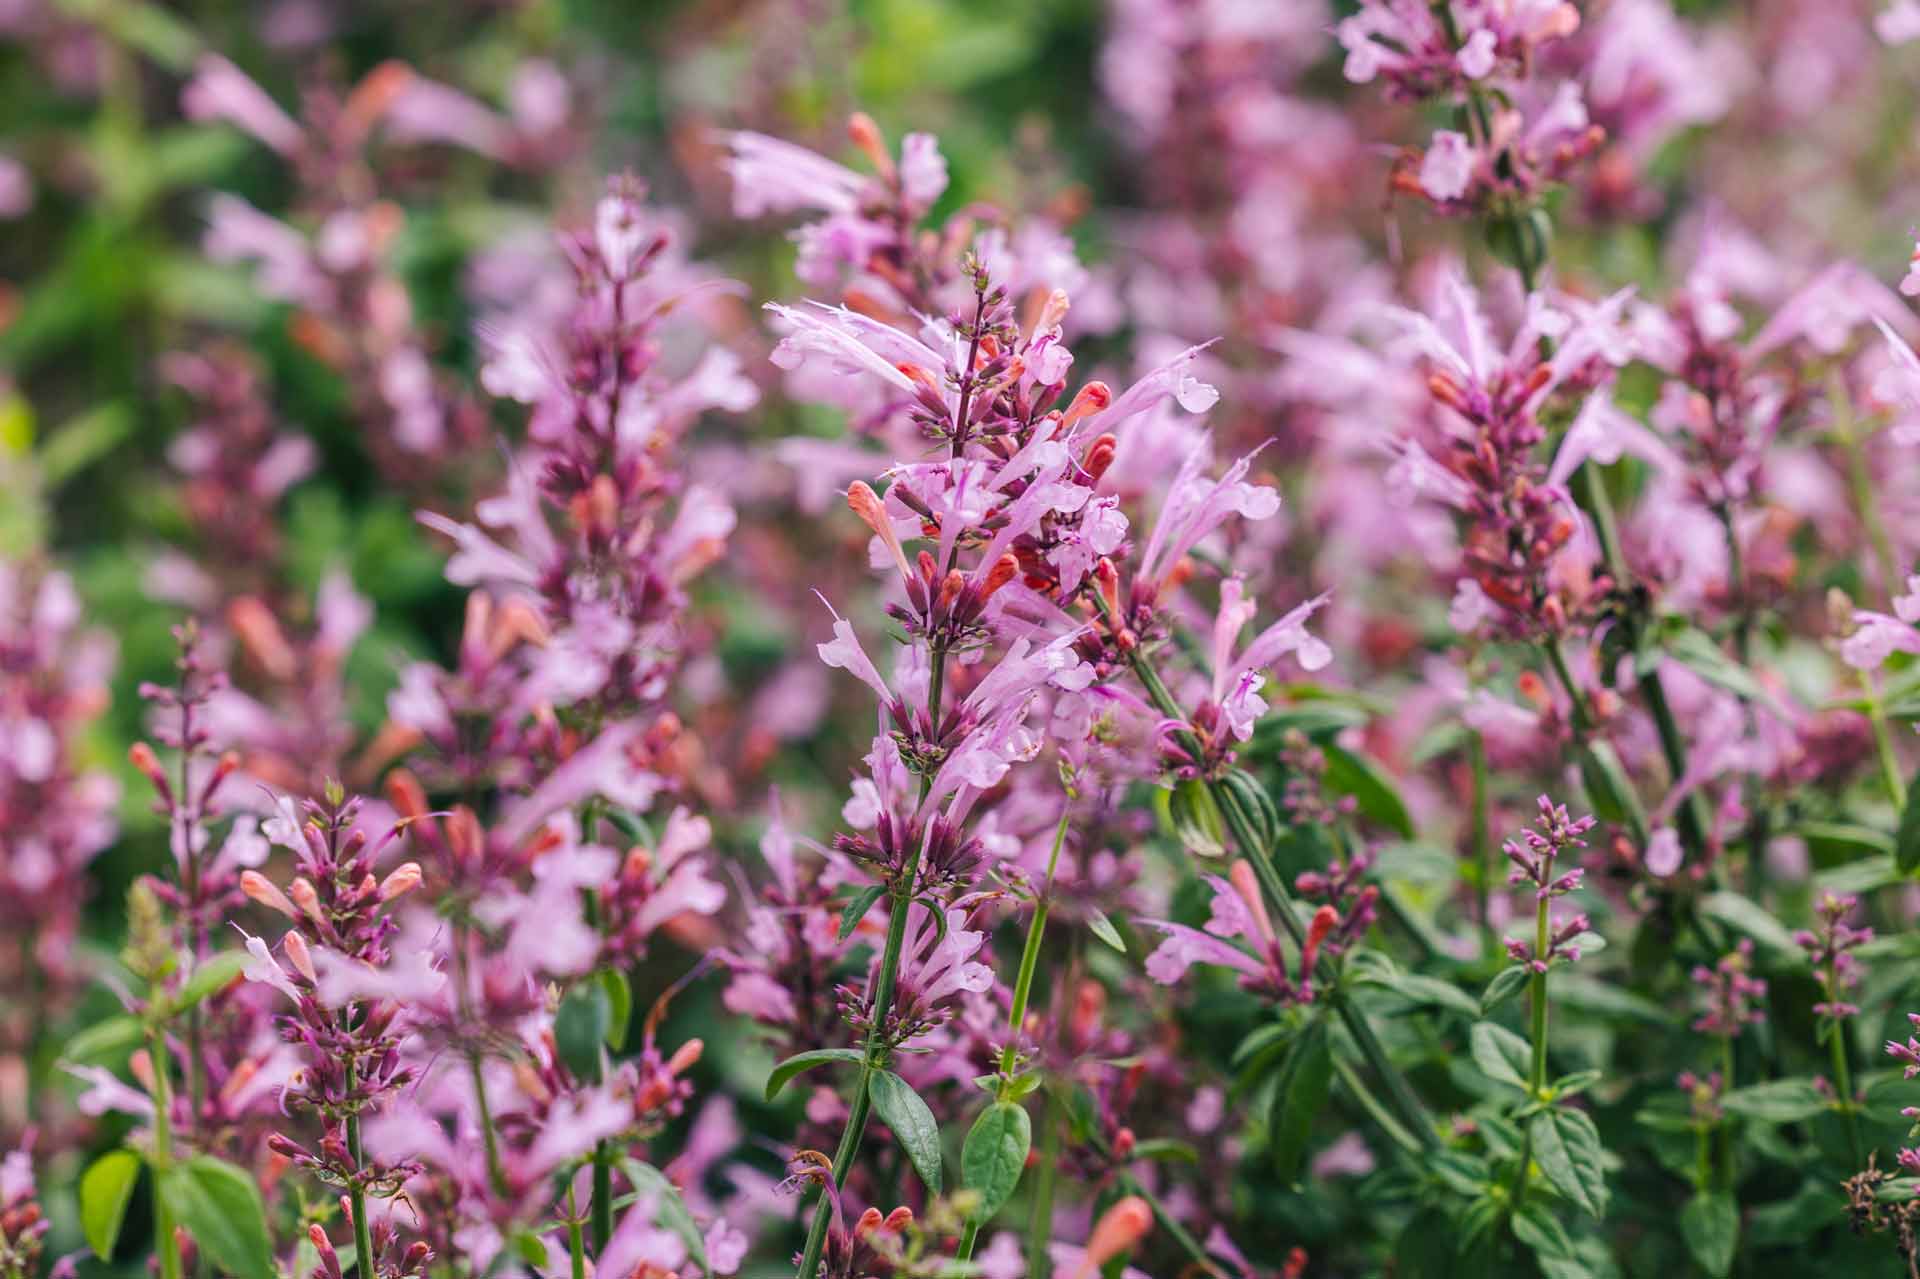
(1710,1224)
(221,1208)
(669,1209)
(214,973)
(105,1188)
(619,1006)
(1507,983)
(1567,1147)
(1102,927)
(1906,843)
(994,1155)
(580,1030)
(857,908)
(1778,1101)
(1501,1054)
(912,1123)
(807,1061)
(1299,1098)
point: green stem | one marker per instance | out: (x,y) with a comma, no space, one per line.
(1883,742)
(1842,1075)
(1542,939)
(901,892)
(1260,856)
(167,1237)
(496,1171)
(1860,476)
(1030,957)
(1371,1104)
(357,1189)
(602,1194)
(576,1243)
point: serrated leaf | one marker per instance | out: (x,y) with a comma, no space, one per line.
(994,1155)
(904,1112)
(669,1209)
(580,1030)
(807,1061)
(1299,1098)
(1102,927)
(217,972)
(1710,1225)
(220,1206)
(1778,1101)
(857,908)
(1501,1055)
(1567,1147)
(105,1189)
(1507,983)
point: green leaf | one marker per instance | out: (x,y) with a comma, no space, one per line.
(1608,787)
(912,1123)
(1372,790)
(1694,649)
(807,1061)
(857,908)
(1298,1099)
(1168,1149)
(215,973)
(1412,990)
(1102,927)
(1906,842)
(1778,1101)
(529,1247)
(1743,914)
(1507,983)
(1535,1226)
(221,1208)
(1195,819)
(669,1209)
(619,1006)
(1567,1147)
(1710,1224)
(113,1037)
(995,1154)
(580,1030)
(1501,1055)
(105,1188)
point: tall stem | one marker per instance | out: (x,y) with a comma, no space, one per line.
(1542,938)
(163,1223)
(1480,836)
(496,1171)
(901,893)
(1842,1075)
(1040,1211)
(1030,956)
(357,1190)
(576,1245)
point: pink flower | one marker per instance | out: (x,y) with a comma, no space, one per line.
(1447,169)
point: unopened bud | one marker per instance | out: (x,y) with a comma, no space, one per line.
(306,899)
(1118,1230)
(404,879)
(684,1056)
(297,953)
(1092,398)
(866,135)
(259,888)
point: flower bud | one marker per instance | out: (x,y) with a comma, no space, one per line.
(259,888)
(297,953)
(1120,1227)
(404,879)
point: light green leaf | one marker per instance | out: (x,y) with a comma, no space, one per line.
(995,1154)
(1102,927)
(214,973)
(105,1188)
(1778,1101)
(221,1208)
(669,1209)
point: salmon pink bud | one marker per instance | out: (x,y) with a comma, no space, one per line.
(1123,1143)
(866,135)
(1325,920)
(869,1221)
(684,1056)
(306,899)
(899,1219)
(1004,570)
(1448,392)
(297,953)
(1093,397)
(1244,883)
(141,756)
(1099,457)
(865,503)
(1118,1230)
(404,879)
(259,888)
(408,797)
(260,634)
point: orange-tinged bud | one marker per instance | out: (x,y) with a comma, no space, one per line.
(1100,456)
(684,1056)
(259,888)
(1447,391)
(869,1221)
(408,797)
(1091,399)
(404,879)
(142,1067)
(1120,1227)
(866,135)
(1244,883)
(261,636)
(950,589)
(297,953)
(141,756)
(1123,1143)
(1004,570)
(306,899)
(865,503)
(1325,920)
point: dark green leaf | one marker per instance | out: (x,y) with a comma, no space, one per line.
(1299,1098)
(857,908)
(220,1206)
(807,1061)
(900,1106)
(1710,1224)
(1906,844)
(580,1030)
(994,1155)
(1535,1226)
(105,1188)
(1501,1054)
(1567,1147)
(1778,1101)
(1608,787)
(619,1006)
(1371,788)
(1507,983)
(1744,915)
